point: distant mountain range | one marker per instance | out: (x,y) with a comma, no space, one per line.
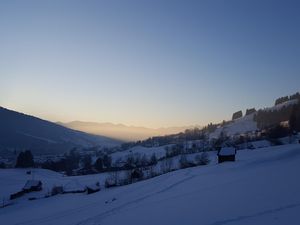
(19,131)
(122,132)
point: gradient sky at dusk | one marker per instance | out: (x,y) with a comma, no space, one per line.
(147,63)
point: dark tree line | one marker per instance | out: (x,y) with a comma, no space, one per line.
(187,135)
(210,128)
(294,121)
(67,164)
(139,161)
(279,131)
(237,115)
(271,118)
(250,111)
(103,163)
(287,98)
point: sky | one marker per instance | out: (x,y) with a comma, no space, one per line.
(147,63)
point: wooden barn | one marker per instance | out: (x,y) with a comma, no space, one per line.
(226,154)
(90,189)
(32,185)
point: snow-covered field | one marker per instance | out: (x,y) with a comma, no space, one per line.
(262,187)
(158,151)
(238,126)
(246,123)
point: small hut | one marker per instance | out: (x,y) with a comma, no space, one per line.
(226,154)
(32,185)
(93,188)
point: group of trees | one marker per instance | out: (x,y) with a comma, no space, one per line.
(237,115)
(269,118)
(287,98)
(294,121)
(25,160)
(186,148)
(130,177)
(271,121)
(276,132)
(250,111)
(133,166)
(174,150)
(209,128)
(139,161)
(67,164)
(139,170)
(103,162)
(193,134)
(187,135)
(83,164)
(200,159)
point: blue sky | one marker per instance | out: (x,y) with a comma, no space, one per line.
(147,63)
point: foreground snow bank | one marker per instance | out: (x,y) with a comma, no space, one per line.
(262,187)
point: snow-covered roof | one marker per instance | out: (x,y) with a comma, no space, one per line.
(74,185)
(227,151)
(94,186)
(31,183)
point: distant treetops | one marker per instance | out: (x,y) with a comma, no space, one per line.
(287,98)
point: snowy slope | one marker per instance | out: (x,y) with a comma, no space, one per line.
(246,123)
(158,151)
(12,181)
(238,126)
(262,187)
(281,105)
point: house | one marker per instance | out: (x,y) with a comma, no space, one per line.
(93,188)
(32,185)
(226,154)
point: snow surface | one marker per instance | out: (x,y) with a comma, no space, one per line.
(261,187)
(227,151)
(159,152)
(31,183)
(281,105)
(246,124)
(260,144)
(239,126)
